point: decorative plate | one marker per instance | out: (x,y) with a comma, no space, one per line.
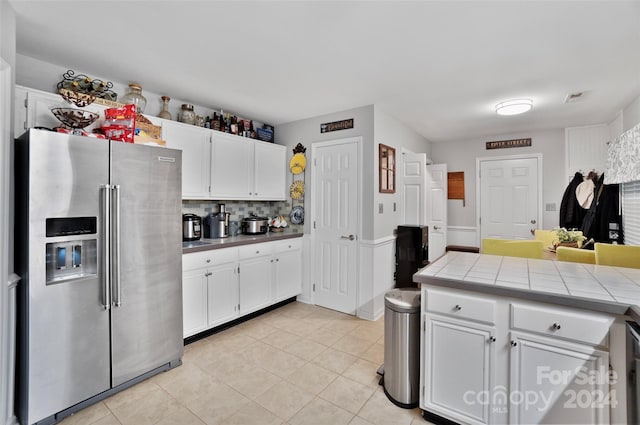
(297,215)
(298,163)
(296,190)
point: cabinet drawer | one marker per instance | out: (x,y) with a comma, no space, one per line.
(590,328)
(460,305)
(255,250)
(209,258)
(288,245)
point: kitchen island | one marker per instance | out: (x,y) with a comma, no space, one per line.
(514,340)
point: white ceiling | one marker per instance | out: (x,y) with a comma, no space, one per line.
(438,66)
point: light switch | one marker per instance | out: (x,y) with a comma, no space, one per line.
(380,208)
(550,207)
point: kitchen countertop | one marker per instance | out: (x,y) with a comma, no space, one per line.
(614,290)
(208,244)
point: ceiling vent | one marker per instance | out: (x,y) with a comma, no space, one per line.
(575,97)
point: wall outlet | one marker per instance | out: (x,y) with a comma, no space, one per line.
(550,207)
(380,208)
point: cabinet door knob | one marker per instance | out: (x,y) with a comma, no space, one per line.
(457,307)
(492,339)
(257,252)
(514,344)
(556,326)
(277,259)
(208,260)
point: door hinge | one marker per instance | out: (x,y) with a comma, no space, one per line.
(238,307)
(314,287)
(238,269)
(314,224)
(480,220)
(209,188)
(314,162)
(26,102)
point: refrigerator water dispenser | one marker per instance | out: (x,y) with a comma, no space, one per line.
(70,258)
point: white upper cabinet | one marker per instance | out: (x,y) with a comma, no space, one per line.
(246,169)
(33,109)
(269,175)
(231,167)
(195,143)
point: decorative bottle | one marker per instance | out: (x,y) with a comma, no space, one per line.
(164,113)
(135,96)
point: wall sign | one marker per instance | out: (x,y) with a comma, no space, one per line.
(336,125)
(515,143)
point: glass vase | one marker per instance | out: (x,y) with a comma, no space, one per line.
(135,96)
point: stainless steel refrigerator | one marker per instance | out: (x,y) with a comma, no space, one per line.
(98,245)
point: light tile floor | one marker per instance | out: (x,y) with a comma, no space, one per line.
(296,365)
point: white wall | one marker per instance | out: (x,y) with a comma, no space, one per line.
(389,131)
(631,115)
(307,131)
(7,300)
(461,156)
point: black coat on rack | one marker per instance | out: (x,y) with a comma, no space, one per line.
(571,213)
(603,223)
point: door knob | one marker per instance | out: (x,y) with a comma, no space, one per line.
(350,237)
(436,228)
(533,222)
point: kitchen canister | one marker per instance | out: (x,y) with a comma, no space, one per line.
(135,96)
(234,228)
(186,114)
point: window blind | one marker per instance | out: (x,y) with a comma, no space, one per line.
(631,212)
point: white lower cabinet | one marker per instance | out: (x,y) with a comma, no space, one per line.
(555,381)
(221,285)
(194,301)
(287,269)
(256,264)
(489,359)
(459,363)
(222,294)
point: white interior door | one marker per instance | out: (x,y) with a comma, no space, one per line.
(336,220)
(413,186)
(437,209)
(510,197)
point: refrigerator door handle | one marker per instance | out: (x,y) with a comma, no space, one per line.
(105,191)
(115,246)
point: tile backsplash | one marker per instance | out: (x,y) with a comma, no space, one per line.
(240,209)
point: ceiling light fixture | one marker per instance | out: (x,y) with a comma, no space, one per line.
(514,107)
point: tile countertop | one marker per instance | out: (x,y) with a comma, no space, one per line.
(208,244)
(606,289)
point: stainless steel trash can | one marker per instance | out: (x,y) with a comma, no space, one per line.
(401,377)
